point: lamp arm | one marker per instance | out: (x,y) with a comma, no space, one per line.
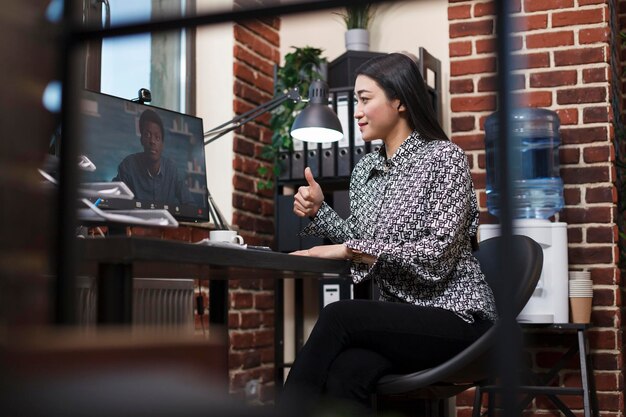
(219,131)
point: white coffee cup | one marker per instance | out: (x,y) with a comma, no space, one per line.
(579,275)
(230,236)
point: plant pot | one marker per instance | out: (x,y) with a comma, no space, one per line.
(357,40)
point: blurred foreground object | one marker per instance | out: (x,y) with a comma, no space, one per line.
(114,372)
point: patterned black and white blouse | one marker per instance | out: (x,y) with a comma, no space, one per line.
(416,212)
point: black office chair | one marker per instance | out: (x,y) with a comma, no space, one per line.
(471,367)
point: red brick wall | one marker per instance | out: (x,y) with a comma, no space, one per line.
(255,54)
(619,17)
(564,50)
(251,316)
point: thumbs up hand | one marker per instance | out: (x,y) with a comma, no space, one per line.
(309,198)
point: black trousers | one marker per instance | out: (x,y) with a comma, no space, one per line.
(355,342)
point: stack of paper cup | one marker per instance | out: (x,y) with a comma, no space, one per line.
(580,296)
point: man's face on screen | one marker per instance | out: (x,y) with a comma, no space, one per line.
(152,141)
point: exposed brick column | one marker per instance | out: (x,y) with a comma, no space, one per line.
(255,54)
(619,69)
(251,316)
(563,63)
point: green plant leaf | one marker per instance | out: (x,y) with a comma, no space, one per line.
(300,69)
(358,16)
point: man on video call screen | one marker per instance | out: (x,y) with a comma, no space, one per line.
(157,153)
(149,175)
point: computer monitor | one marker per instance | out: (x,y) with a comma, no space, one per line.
(157,153)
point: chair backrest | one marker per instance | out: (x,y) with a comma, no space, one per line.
(471,365)
(523,272)
(430,68)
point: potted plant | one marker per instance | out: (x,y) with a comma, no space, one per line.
(357,19)
(302,66)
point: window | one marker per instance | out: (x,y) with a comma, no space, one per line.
(158,61)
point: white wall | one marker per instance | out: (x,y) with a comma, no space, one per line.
(397,26)
(214,104)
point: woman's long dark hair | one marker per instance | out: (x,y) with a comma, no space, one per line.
(400,78)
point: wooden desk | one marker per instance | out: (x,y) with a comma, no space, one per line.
(119,259)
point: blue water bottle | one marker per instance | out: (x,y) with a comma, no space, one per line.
(538,189)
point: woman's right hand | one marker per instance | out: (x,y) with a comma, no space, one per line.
(309,198)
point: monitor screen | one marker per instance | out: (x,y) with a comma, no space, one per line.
(157,153)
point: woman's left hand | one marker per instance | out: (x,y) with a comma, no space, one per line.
(339,251)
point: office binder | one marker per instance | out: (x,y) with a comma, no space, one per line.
(297,160)
(327,157)
(375,145)
(358,150)
(343,161)
(344,167)
(284,163)
(328,161)
(313,158)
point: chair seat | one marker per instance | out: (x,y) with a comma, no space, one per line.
(471,366)
(455,375)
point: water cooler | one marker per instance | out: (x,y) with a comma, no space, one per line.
(549,302)
(537,195)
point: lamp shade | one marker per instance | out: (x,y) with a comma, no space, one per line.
(317,122)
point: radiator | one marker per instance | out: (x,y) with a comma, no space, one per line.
(163,303)
(159,303)
(86,302)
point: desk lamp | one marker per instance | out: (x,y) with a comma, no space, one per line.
(316,123)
